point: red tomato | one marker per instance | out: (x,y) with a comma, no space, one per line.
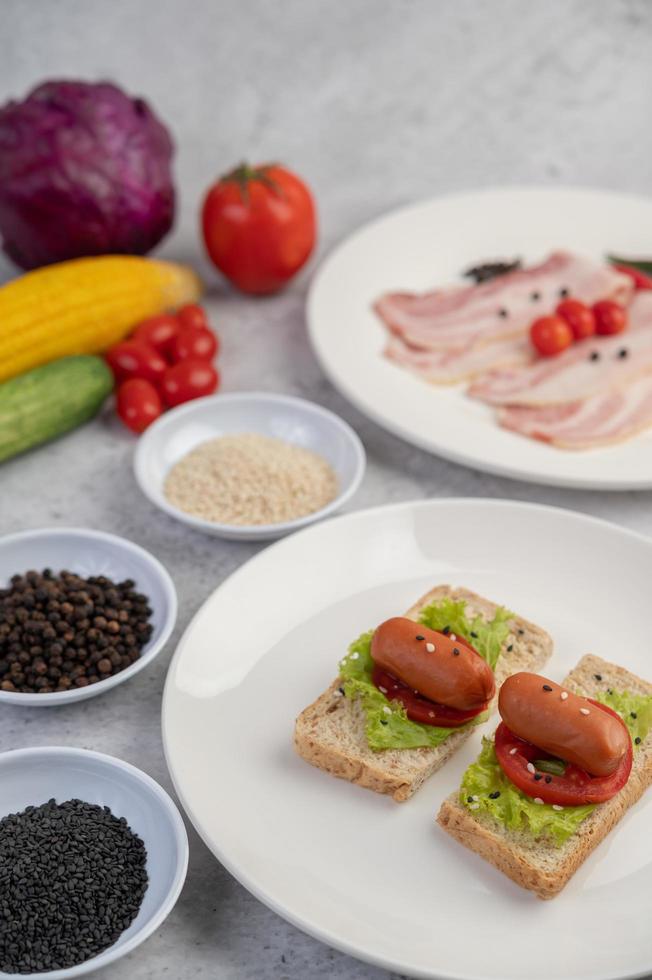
(575,788)
(551,335)
(259,226)
(138,403)
(192,315)
(578,316)
(187,380)
(640,279)
(610,317)
(195,342)
(158,332)
(133,359)
(420,708)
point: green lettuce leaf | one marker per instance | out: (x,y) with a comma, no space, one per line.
(486,637)
(512,808)
(634,709)
(516,811)
(387,724)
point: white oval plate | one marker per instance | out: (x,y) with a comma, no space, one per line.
(429,244)
(374,878)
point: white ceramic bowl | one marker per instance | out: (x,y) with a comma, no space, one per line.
(294,420)
(33,776)
(88,553)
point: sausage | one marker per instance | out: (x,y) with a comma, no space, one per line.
(442,668)
(569,727)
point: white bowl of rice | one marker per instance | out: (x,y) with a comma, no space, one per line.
(249,466)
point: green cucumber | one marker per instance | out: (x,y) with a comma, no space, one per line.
(48,401)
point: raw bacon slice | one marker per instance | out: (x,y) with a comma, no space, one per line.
(591,367)
(445,367)
(597,421)
(504,307)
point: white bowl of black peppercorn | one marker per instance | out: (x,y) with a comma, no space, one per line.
(68,637)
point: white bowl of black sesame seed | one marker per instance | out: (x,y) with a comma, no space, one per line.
(93,857)
(81,611)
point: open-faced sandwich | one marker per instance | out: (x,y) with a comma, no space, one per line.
(566,763)
(409,692)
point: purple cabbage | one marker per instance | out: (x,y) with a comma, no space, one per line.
(84,170)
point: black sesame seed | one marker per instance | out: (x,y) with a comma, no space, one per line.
(594,355)
(72,879)
(510,648)
(382,721)
(609,691)
(419,637)
(535,296)
(538,776)
(637,741)
(494,795)
(469,799)
(598,677)
(341,690)
(456,652)
(547,687)
(474,635)
(623,352)
(633,714)
(564,292)
(446,630)
(502,312)
(548,779)
(521,631)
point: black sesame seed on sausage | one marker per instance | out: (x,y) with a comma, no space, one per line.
(419,637)
(594,355)
(547,687)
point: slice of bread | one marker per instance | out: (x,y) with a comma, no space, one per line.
(536,863)
(330,734)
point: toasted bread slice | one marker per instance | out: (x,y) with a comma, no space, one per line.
(330,734)
(535,863)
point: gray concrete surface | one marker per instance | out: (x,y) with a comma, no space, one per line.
(376,102)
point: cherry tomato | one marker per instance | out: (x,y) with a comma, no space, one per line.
(610,317)
(420,708)
(575,788)
(187,380)
(551,335)
(138,403)
(192,315)
(259,226)
(158,332)
(133,359)
(578,316)
(639,278)
(197,342)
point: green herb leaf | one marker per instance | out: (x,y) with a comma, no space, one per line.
(643,265)
(554,766)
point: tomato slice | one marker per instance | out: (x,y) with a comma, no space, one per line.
(419,708)
(575,788)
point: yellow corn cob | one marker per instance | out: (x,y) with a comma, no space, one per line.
(84,306)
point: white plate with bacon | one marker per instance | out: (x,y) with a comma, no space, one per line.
(447,364)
